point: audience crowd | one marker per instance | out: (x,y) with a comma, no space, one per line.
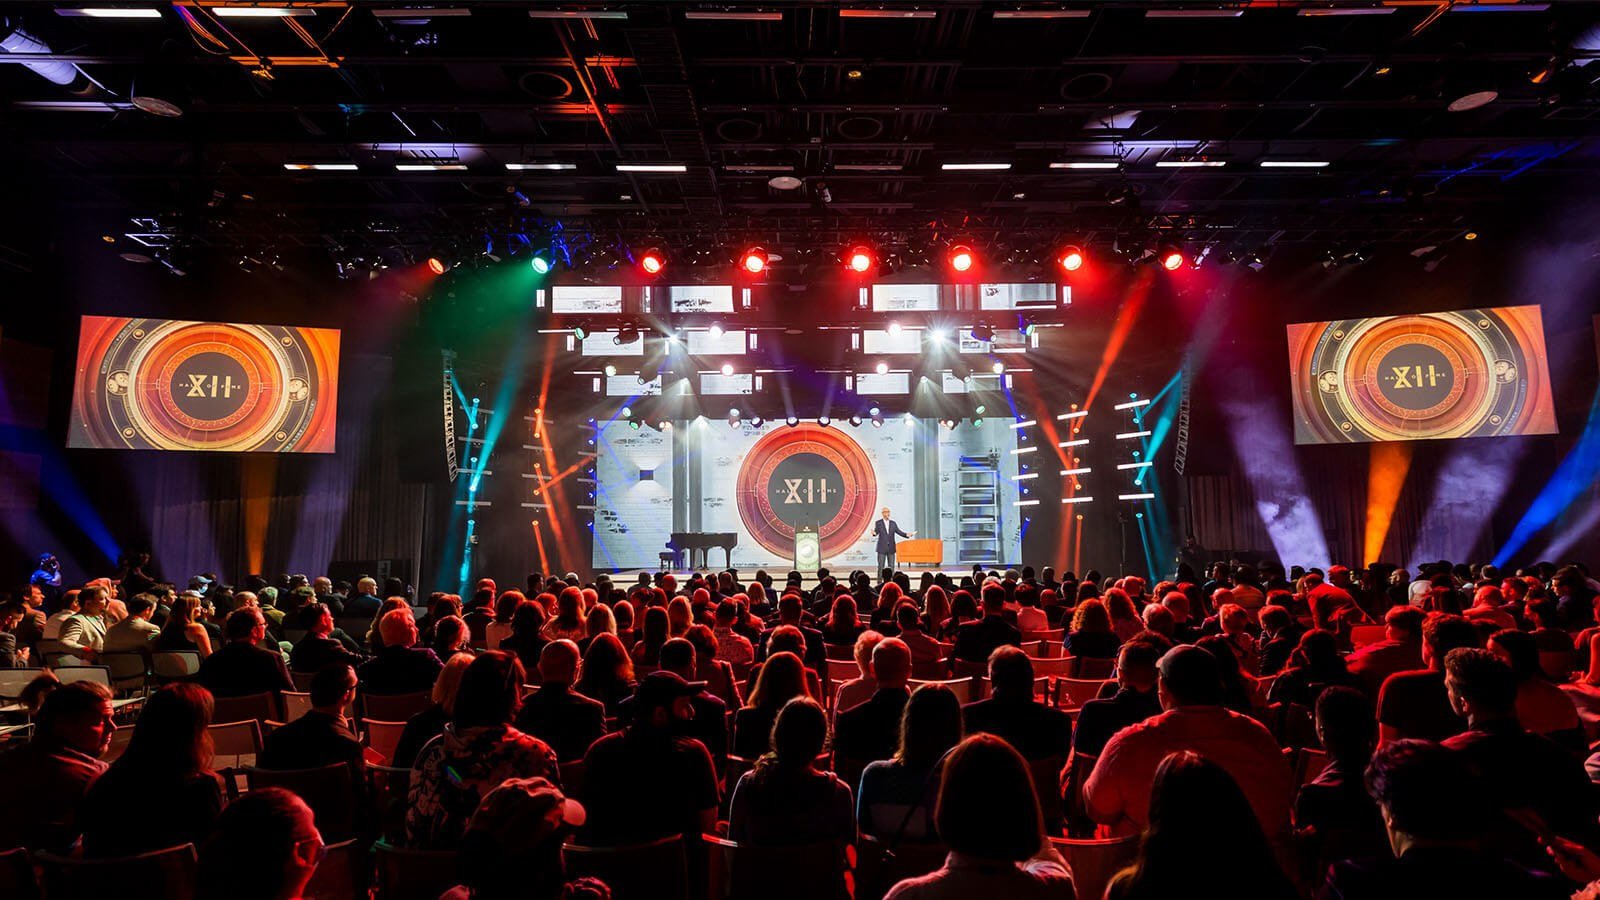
(1243,731)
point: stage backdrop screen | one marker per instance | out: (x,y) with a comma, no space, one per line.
(1468,373)
(760,484)
(158,384)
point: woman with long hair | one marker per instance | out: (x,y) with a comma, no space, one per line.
(1192,801)
(901,789)
(889,597)
(161,791)
(568,619)
(757,592)
(1087,590)
(622,618)
(843,623)
(429,723)
(680,615)
(1125,621)
(505,609)
(1315,665)
(784,800)
(716,673)
(527,635)
(599,621)
(990,855)
(607,673)
(1091,634)
(183,629)
(478,750)
(935,610)
(450,636)
(963,609)
(781,679)
(440,605)
(647,652)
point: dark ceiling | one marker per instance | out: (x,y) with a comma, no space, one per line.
(864,104)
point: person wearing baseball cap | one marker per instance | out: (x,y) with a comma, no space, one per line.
(512,843)
(646,782)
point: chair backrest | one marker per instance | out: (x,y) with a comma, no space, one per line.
(1048,635)
(262,707)
(393,707)
(961,687)
(934,670)
(328,790)
(342,875)
(839,651)
(174,664)
(302,681)
(128,668)
(158,875)
(1101,667)
(100,675)
(657,870)
(1094,863)
(12,681)
(877,870)
(1047,784)
(16,875)
(1263,688)
(295,705)
(841,670)
(1308,764)
(355,626)
(1073,693)
(235,739)
(383,737)
(1362,635)
(1058,666)
(414,874)
(742,872)
(965,668)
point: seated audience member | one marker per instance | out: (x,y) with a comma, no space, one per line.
(1158,618)
(1522,772)
(526,639)
(791,612)
(926,651)
(607,673)
(871,731)
(1334,816)
(976,640)
(1542,707)
(784,800)
(1030,617)
(556,714)
(136,633)
(1585,692)
(1414,704)
(896,800)
(1090,634)
(720,679)
(1239,690)
(399,666)
(511,849)
(12,656)
(183,630)
(1399,651)
(1191,802)
(83,634)
(45,779)
(1125,621)
(843,624)
(990,855)
(319,648)
(1434,810)
(322,736)
(709,725)
(67,608)
(450,636)
(265,847)
(652,634)
(854,692)
(1015,714)
(365,601)
(1488,608)
(645,782)
(240,667)
(1280,634)
(1314,667)
(430,722)
(1189,684)
(478,750)
(1134,701)
(567,621)
(1185,628)
(732,647)
(161,791)
(780,679)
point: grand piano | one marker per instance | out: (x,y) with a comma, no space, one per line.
(695,543)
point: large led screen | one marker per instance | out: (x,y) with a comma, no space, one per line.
(1468,373)
(158,384)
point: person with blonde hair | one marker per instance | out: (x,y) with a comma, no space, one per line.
(400,667)
(428,724)
(781,678)
(854,692)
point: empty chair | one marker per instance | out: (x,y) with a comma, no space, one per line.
(100,675)
(1073,693)
(129,670)
(804,872)
(235,744)
(262,707)
(1096,667)
(383,737)
(329,790)
(414,874)
(1095,862)
(1059,666)
(841,670)
(12,681)
(295,705)
(393,707)
(174,665)
(159,875)
(657,870)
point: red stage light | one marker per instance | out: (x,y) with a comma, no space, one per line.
(962,257)
(860,259)
(652,261)
(1171,260)
(436,265)
(1071,259)
(754,261)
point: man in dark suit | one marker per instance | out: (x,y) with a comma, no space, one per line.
(976,640)
(400,667)
(871,731)
(885,530)
(1012,713)
(321,737)
(1134,701)
(561,717)
(366,601)
(240,667)
(319,649)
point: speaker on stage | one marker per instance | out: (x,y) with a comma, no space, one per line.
(807,549)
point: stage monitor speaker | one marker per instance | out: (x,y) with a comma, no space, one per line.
(352,569)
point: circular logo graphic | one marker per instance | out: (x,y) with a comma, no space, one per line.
(210,386)
(1415,377)
(806,477)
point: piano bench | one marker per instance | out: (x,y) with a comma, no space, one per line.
(669,560)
